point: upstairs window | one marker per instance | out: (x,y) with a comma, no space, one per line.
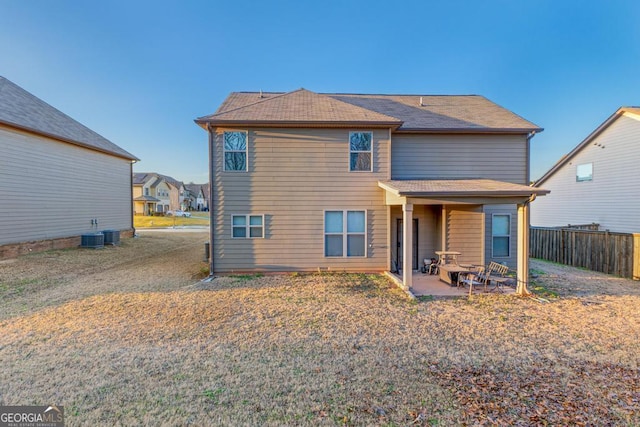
(360,151)
(584,172)
(345,233)
(500,235)
(235,151)
(247,226)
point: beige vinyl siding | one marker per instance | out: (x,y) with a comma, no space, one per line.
(611,198)
(51,189)
(293,176)
(428,217)
(511,210)
(499,157)
(465,233)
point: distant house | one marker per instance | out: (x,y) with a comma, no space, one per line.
(157,193)
(200,196)
(58,178)
(303,181)
(597,182)
(144,203)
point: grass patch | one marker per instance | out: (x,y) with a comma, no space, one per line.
(542,291)
(140,221)
(307,349)
(241,278)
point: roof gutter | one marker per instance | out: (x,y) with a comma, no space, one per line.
(127,156)
(296,124)
(513,131)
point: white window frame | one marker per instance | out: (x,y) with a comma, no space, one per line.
(508,215)
(248,226)
(245,151)
(345,233)
(370,151)
(584,178)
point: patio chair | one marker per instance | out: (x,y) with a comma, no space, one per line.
(496,273)
(433,266)
(476,278)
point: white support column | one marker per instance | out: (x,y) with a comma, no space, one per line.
(407,245)
(523,249)
(443,230)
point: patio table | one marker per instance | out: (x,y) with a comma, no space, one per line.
(449,273)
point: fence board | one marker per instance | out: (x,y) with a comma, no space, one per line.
(611,253)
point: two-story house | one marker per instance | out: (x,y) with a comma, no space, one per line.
(58,178)
(304,181)
(152,193)
(598,175)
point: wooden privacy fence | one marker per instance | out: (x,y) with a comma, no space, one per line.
(611,253)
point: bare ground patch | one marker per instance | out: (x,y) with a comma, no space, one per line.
(320,350)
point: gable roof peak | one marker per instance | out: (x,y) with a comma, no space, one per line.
(402,113)
(23,110)
(300,106)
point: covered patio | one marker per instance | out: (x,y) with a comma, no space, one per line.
(475,195)
(431,285)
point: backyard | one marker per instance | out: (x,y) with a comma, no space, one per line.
(156,221)
(129,335)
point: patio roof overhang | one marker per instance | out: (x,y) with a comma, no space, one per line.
(457,191)
(149,199)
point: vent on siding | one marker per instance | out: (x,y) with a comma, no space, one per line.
(93,240)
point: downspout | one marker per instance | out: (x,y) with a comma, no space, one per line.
(528,148)
(211,216)
(131,195)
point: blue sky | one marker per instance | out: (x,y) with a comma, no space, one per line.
(139,72)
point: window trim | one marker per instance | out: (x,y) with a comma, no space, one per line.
(247,226)
(587,178)
(508,236)
(370,151)
(245,151)
(345,233)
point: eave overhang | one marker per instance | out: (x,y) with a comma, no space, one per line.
(204,123)
(466,191)
(129,157)
(512,131)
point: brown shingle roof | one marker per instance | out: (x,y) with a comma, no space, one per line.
(420,113)
(300,106)
(23,110)
(458,187)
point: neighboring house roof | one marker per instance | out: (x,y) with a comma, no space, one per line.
(140,178)
(408,113)
(22,110)
(193,188)
(170,180)
(457,187)
(633,112)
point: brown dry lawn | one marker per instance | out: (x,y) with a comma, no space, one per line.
(128,336)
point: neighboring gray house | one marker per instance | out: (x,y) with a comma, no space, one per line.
(305,181)
(199,194)
(597,182)
(57,177)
